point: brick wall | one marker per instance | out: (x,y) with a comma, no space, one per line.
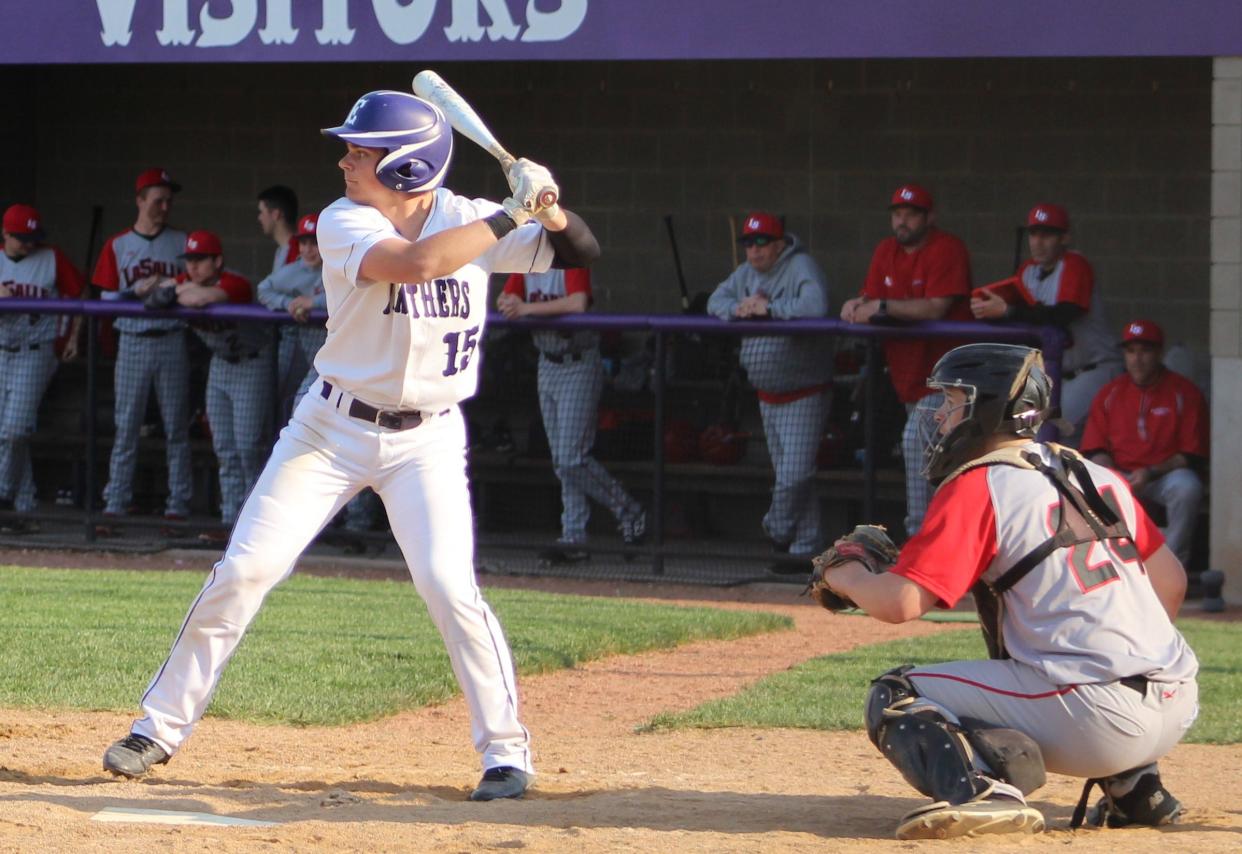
(1124,143)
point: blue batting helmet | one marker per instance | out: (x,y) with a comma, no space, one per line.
(414,133)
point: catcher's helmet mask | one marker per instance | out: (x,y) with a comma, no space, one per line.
(417,138)
(1007,393)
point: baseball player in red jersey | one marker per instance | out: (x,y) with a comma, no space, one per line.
(1152,425)
(920,273)
(29,269)
(151,352)
(1076,592)
(570,380)
(1062,285)
(406,264)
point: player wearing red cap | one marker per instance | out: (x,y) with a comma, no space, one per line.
(1151,424)
(1061,285)
(779,280)
(150,352)
(29,269)
(920,273)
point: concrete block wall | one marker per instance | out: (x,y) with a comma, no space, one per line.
(1126,144)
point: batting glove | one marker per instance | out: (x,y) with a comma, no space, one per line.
(530,182)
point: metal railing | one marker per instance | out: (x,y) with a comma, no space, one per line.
(661,329)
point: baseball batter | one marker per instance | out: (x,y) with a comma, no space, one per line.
(1076,591)
(406,267)
(570,380)
(29,269)
(151,352)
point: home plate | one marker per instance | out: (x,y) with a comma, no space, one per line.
(141,816)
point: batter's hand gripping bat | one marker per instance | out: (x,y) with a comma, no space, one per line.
(431,87)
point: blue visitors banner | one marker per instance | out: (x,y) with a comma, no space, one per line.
(136,31)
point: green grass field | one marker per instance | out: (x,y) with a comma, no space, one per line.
(828,692)
(321,651)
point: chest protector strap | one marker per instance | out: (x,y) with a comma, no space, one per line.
(1084,517)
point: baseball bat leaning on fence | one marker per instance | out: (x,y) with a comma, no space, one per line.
(431,87)
(681,276)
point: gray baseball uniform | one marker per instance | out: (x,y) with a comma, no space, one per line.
(570,381)
(150,352)
(791,375)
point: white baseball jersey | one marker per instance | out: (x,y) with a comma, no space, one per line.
(1085,614)
(130,257)
(43,274)
(411,345)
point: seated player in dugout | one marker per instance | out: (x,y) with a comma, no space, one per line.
(1076,591)
(1061,291)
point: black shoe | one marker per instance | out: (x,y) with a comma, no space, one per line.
(503,782)
(565,554)
(133,756)
(1149,804)
(634,529)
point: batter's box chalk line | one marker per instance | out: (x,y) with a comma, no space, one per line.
(142,816)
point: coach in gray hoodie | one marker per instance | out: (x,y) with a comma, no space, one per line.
(791,374)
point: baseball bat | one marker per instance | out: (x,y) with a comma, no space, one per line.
(431,87)
(681,277)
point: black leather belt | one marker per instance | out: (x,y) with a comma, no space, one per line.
(20,349)
(562,358)
(1066,376)
(1136,683)
(392,419)
(152,333)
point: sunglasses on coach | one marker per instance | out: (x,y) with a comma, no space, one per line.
(756,240)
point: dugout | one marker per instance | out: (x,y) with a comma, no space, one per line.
(1129,114)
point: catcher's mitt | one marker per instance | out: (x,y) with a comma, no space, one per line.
(867,544)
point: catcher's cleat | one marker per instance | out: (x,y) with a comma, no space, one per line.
(1148,804)
(502,782)
(133,756)
(941,820)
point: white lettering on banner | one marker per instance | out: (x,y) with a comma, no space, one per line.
(278,27)
(554,26)
(116,15)
(402,22)
(336,28)
(465,24)
(230,30)
(176,29)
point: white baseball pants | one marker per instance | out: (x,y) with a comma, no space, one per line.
(322,459)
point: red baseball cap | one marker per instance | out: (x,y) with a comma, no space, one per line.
(306,225)
(1143,330)
(23,221)
(1048,216)
(762,224)
(202,243)
(911,196)
(155,177)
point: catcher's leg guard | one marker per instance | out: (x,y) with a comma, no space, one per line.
(1010,755)
(922,740)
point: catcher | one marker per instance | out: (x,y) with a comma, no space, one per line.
(1076,593)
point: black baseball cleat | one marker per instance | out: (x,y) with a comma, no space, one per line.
(502,782)
(1148,804)
(133,756)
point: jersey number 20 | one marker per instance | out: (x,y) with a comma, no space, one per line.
(1091,575)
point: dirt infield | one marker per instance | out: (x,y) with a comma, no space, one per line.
(399,784)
